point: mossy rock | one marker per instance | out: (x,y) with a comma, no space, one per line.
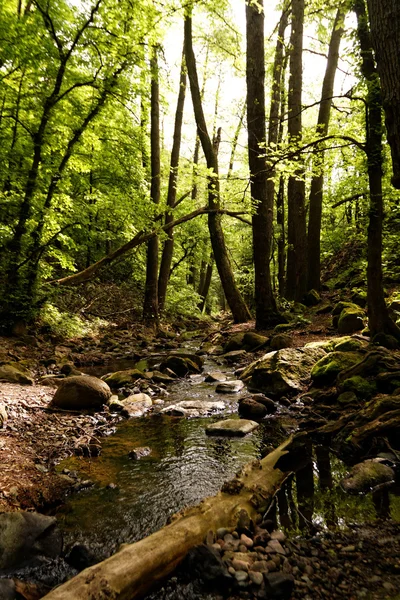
(348,344)
(324,310)
(252,340)
(359,298)
(347,398)
(385,340)
(121,378)
(311,298)
(325,371)
(366,476)
(181,365)
(282,373)
(15,372)
(351,319)
(325,345)
(280,341)
(283,327)
(360,386)
(342,305)
(235,342)
(298,308)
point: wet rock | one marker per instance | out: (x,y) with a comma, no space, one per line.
(26,536)
(198,360)
(281,341)
(282,372)
(251,409)
(229,387)
(279,585)
(136,405)
(159,377)
(80,557)
(234,427)
(139,452)
(124,378)
(205,564)
(215,376)
(235,342)
(180,365)
(15,373)
(234,356)
(193,408)
(269,404)
(81,392)
(367,475)
(325,371)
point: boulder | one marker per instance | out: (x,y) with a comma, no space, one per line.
(181,365)
(124,378)
(348,344)
(234,356)
(341,306)
(350,320)
(325,371)
(360,386)
(359,298)
(136,405)
(81,392)
(269,404)
(279,585)
(385,340)
(283,372)
(229,387)
(311,298)
(215,376)
(26,537)
(251,409)
(235,342)
(281,341)
(15,373)
(232,427)
(193,408)
(367,475)
(253,341)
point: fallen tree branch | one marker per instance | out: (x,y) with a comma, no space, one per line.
(140,238)
(132,571)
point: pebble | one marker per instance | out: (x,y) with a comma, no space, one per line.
(246,541)
(240,565)
(241,576)
(256,577)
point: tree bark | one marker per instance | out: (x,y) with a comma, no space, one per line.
(317,182)
(150,305)
(385,31)
(168,249)
(235,301)
(132,571)
(266,311)
(378,316)
(296,276)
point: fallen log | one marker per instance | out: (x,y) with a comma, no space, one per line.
(133,571)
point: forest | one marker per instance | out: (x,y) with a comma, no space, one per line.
(199,299)
(213,181)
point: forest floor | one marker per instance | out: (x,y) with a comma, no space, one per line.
(35,438)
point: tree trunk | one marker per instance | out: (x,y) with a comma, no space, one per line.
(385,30)
(266,312)
(205,283)
(150,305)
(236,303)
(132,571)
(378,316)
(317,182)
(296,277)
(168,249)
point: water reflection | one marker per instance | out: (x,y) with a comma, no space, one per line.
(312,498)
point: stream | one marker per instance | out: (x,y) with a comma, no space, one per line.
(129,499)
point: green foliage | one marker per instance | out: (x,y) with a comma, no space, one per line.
(67,325)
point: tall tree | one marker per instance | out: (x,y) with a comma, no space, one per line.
(296,277)
(168,248)
(266,312)
(150,306)
(317,182)
(385,30)
(235,301)
(378,315)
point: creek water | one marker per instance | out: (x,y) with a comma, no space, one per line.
(130,499)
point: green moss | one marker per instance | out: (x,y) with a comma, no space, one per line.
(351,319)
(360,386)
(347,344)
(327,368)
(121,378)
(283,327)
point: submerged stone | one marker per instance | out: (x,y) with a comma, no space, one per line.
(193,408)
(230,387)
(234,427)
